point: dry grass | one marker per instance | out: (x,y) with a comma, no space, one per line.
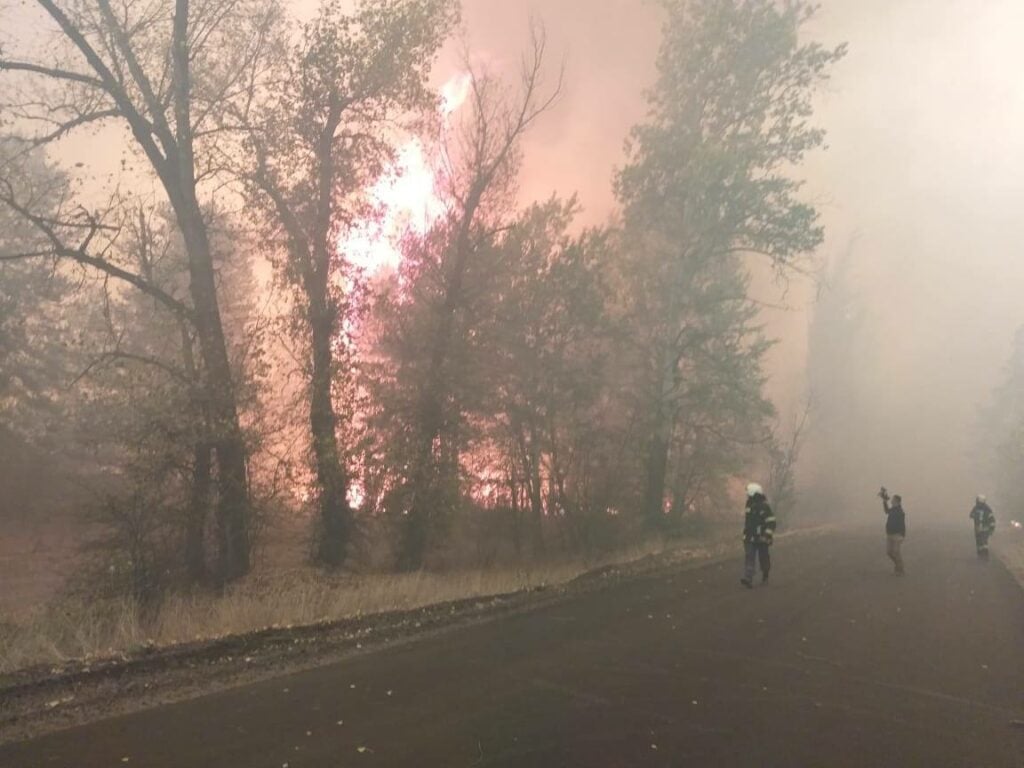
(80,630)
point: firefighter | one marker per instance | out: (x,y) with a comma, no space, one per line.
(984,525)
(895,528)
(758,534)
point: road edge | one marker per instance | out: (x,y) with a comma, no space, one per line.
(39,701)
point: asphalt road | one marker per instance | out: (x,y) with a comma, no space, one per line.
(836,663)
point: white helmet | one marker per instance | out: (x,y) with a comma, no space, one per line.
(981,498)
(753,489)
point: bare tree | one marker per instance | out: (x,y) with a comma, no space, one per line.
(784,453)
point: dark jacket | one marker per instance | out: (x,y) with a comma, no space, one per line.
(983,517)
(759,522)
(896,519)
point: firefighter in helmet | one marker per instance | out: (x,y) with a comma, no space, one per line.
(758,534)
(984,525)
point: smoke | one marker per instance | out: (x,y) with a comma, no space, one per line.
(606,49)
(925,124)
(921,186)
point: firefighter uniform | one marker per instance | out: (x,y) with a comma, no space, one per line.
(758,535)
(984,525)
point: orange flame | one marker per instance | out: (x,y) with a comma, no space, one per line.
(406,195)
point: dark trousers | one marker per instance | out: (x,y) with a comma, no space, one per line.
(759,552)
(981,540)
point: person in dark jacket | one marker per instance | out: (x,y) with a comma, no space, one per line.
(895,528)
(758,535)
(984,525)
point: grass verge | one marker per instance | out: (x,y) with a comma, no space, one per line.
(77,630)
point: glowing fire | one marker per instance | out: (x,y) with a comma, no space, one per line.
(454,93)
(356,495)
(406,195)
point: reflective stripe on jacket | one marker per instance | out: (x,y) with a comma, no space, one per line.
(759,522)
(983,517)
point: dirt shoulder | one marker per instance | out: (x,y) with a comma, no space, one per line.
(44,699)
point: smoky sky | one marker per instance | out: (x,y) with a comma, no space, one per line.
(921,184)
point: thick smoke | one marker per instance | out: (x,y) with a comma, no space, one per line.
(920,191)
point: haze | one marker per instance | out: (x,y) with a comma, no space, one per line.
(921,183)
(408,382)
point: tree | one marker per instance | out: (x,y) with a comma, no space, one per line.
(707,180)
(545,348)
(138,409)
(37,354)
(324,139)
(426,343)
(165,72)
(783,454)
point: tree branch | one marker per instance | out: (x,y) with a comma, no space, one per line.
(80,255)
(142,128)
(52,72)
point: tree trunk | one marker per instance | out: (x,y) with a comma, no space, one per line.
(202,467)
(199,505)
(657,467)
(425,482)
(336,517)
(656,470)
(233,510)
(513,491)
(536,492)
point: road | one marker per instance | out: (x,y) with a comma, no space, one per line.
(836,663)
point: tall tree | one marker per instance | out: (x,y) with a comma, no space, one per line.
(352,81)
(708,178)
(545,346)
(434,307)
(165,71)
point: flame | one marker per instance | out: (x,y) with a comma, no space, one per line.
(356,495)
(454,93)
(406,195)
